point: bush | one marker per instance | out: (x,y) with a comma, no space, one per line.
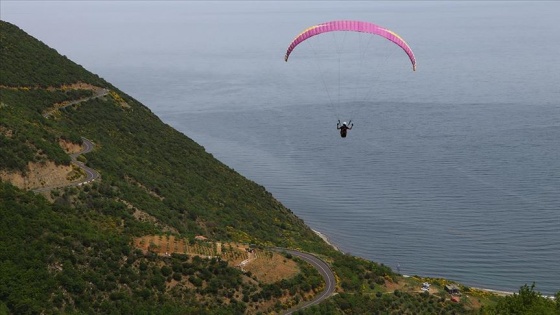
(166,271)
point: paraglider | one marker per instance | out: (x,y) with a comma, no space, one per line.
(350,26)
(344,128)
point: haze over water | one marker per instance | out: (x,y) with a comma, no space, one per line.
(451,171)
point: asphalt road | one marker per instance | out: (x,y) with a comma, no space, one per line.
(97,94)
(91,174)
(324,270)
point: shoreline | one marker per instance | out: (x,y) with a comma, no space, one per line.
(497,292)
(326,239)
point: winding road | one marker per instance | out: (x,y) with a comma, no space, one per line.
(91,174)
(97,93)
(323,269)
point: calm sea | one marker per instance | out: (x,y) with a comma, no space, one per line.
(451,171)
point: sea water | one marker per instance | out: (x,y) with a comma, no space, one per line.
(450,171)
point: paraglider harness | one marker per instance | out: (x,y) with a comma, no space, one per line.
(344,127)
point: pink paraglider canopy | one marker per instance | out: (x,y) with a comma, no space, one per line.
(353,26)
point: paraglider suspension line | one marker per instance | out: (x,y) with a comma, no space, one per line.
(321,73)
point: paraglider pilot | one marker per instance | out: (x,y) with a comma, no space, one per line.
(344,128)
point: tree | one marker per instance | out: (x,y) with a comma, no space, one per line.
(526,302)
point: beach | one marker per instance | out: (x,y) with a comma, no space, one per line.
(326,239)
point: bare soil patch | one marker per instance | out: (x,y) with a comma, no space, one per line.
(70,147)
(40,175)
(266,266)
(167,245)
(270,267)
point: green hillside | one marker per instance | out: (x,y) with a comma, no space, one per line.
(163,228)
(142,160)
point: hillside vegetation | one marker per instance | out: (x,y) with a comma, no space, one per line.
(150,235)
